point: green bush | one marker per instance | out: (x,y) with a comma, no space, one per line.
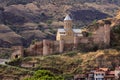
(44,75)
(49,22)
(115,36)
(27,59)
(34,41)
(68,76)
(70,54)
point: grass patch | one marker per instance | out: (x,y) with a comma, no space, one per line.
(71,54)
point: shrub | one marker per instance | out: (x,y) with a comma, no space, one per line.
(115,36)
(52,31)
(49,22)
(44,75)
(34,41)
(15,62)
(68,76)
(40,27)
(71,54)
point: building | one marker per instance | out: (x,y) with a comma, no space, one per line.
(90,75)
(117,73)
(110,75)
(97,74)
(67,33)
(69,39)
(101,74)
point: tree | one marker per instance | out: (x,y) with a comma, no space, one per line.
(44,75)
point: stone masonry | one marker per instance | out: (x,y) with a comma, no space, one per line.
(69,42)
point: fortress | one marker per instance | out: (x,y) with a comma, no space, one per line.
(69,39)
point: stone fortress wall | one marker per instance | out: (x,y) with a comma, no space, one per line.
(101,37)
(46,47)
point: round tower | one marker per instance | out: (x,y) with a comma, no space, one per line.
(61,46)
(75,42)
(45,47)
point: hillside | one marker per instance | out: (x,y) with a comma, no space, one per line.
(32,20)
(13,73)
(7,37)
(71,63)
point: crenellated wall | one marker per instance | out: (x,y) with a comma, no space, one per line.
(102,35)
(35,49)
(47,47)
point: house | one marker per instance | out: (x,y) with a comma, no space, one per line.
(117,73)
(110,75)
(103,74)
(99,75)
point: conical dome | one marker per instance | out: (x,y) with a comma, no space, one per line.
(67,18)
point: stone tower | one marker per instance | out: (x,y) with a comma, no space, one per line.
(68,26)
(61,46)
(18,52)
(76,42)
(45,47)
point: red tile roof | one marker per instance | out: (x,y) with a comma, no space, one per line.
(111,73)
(109,76)
(104,69)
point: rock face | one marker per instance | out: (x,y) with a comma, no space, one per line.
(29,21)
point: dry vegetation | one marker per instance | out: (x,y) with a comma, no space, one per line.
(74,63)
(13,73)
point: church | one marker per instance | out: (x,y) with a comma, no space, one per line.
(68,33)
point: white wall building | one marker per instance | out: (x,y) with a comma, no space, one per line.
(117,72)
(99,75)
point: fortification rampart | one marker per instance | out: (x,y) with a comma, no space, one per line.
(100,38)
